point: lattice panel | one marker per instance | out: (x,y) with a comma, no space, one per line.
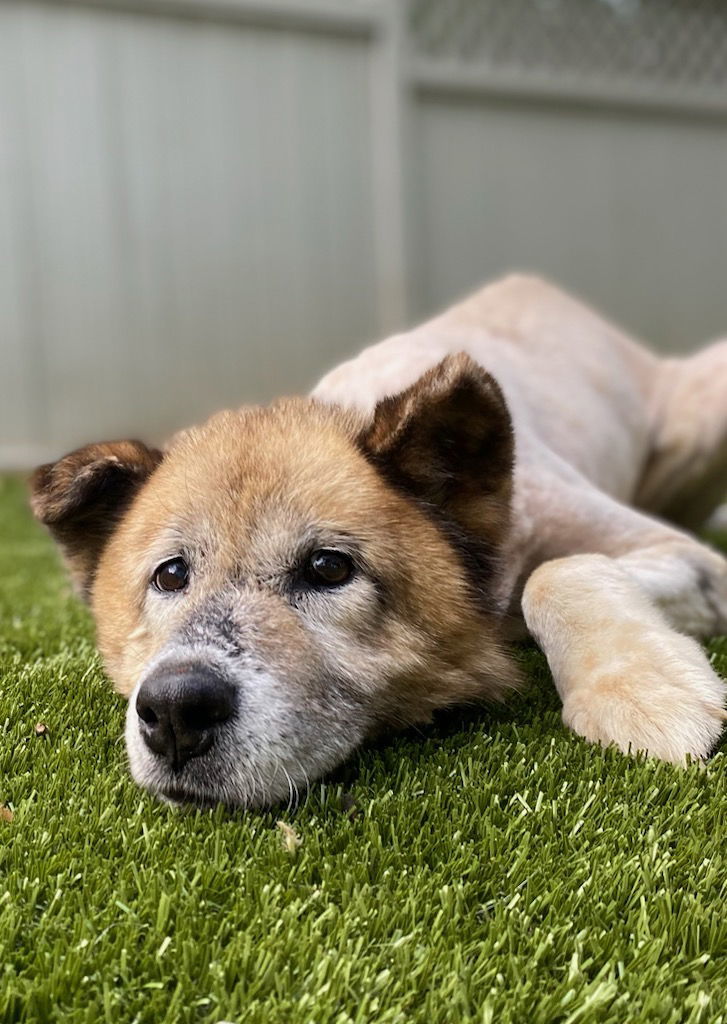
(677,42)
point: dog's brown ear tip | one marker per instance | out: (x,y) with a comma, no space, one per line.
(460,377)
(58,489)
(41,486)
(83,496)
(39,479)
(460,362)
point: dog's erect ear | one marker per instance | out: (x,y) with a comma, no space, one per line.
(448,441)
(82,497)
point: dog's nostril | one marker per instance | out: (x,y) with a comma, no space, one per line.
(180,708)
(146,713)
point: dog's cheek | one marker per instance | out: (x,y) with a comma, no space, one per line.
(371,665)
(130,631)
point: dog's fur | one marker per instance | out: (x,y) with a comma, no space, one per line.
(513,459)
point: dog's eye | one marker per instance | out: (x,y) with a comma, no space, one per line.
(327,568)
(171,575)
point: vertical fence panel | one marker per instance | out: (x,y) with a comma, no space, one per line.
(203,213)
(21,374)
(626,208)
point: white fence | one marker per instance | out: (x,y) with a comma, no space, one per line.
(204,202)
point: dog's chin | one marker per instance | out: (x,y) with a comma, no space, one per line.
(207,782)
(184,789)
(176,796)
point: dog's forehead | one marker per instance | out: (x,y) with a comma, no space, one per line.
(284,467)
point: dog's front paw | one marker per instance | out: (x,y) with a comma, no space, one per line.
(661,696)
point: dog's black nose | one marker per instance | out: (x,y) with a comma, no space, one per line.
(180,708)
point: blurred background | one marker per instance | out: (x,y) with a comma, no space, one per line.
(207,202)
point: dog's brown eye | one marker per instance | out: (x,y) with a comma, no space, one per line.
(171,575)
(328,568)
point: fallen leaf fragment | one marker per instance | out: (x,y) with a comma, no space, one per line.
(6,814)
(291,839)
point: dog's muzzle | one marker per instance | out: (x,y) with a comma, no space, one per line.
(180,710)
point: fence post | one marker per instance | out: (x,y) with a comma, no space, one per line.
(388,112)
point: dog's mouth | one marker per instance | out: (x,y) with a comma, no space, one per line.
(210,794)
(205,790)
(178,796)
(201,783)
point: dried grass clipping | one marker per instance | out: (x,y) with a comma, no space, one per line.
(291,839)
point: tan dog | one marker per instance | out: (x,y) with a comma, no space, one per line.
(284,582)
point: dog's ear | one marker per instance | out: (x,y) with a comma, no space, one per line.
(82,497)
(448,441)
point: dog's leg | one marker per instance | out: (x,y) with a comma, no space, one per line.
(610,630)
(686,476)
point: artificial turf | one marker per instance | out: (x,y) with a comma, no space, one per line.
(491,868)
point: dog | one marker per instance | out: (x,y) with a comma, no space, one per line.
(286,582)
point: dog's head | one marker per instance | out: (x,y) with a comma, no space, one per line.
(284,582)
